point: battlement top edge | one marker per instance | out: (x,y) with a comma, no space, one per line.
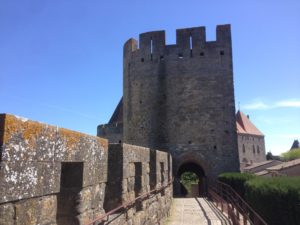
(186,38)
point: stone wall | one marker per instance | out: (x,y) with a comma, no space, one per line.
(50,175)
(143,170)
(251,149)
(112,131)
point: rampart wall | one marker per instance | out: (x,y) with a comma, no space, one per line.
(51,175)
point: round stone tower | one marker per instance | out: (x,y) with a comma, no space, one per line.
(180,98)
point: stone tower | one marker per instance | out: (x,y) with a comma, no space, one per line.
(180,98)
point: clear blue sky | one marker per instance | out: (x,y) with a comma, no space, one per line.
(61,61)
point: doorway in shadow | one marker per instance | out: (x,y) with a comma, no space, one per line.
(71,181)
(192,180)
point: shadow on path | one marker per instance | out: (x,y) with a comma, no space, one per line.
(195,211)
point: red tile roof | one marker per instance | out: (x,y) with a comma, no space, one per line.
(245,126)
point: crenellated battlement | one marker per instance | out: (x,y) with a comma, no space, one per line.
(187,40)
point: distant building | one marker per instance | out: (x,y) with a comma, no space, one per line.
(295,145)
(251,142)
(273,168)
(261,166)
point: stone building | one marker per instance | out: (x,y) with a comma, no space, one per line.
(179,98)
(251,141)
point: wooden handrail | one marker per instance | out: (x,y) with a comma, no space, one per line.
(130,203)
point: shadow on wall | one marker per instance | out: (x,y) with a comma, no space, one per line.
(113,190)
(71,183)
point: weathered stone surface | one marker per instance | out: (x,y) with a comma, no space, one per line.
(24,179)
(36,211)
(134,180)
(7,214)
(49,174)
(26,140)
(31,156)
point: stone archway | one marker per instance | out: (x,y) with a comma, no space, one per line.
(196,169)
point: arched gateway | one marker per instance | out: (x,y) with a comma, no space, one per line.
(197,189)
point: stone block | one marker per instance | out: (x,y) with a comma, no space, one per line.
(98,192)
(26,140)
(21,180)
(7,214)
(36,211)
(84,200)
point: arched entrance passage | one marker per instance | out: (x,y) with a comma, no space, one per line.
(190,169)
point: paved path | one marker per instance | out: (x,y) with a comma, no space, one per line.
(195,211)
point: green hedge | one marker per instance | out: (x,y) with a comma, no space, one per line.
(236,181)
(276,199)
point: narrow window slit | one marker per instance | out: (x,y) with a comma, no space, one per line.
(161,58)
(201,53)
(142,59)
(191,45)
(151,48)
(221,52)
(180,56)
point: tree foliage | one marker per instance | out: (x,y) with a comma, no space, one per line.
(291,155)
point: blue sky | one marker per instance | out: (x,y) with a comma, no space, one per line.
(61,61)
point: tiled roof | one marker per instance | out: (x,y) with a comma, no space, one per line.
(117,116)
(245,126)
(254,165)
(261,173)
(284,165)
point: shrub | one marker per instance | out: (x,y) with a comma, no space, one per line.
(292,154)
(236,181)
(187,179)
(276,199)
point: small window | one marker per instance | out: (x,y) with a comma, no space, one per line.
(201,53)
(142,59)
(253,149)
(221,52)
(244,150)
(138,184)
(180,56)
(257,149)
(161,58)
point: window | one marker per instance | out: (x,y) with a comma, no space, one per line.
(244,150)
(253,149)
(257,149)
(138,184)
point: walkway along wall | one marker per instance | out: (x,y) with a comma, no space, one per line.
(51,175)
